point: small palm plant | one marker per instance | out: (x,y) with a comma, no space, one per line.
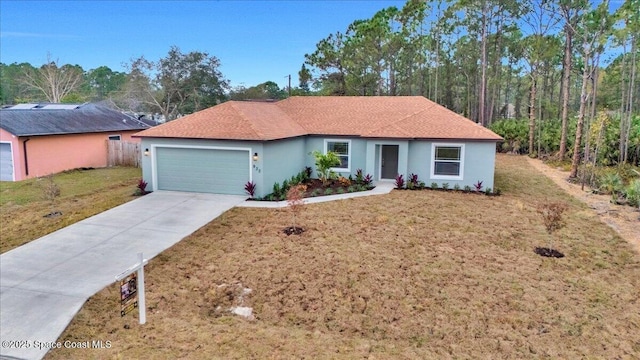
(324,163)
(611,184)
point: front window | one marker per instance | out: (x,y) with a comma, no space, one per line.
(447,161)
(343,149)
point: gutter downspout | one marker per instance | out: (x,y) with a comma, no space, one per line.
(26,158)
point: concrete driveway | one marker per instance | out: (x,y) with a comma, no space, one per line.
(44,283)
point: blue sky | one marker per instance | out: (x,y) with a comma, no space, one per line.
(256,41)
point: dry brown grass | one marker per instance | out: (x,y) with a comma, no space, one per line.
(406,275)
(82,194)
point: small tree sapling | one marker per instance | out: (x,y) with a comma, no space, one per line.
(50,191)
(553,221)
(295,200)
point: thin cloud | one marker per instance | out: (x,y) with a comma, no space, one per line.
(15,34)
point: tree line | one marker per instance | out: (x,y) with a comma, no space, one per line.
(489,60)
(177,84)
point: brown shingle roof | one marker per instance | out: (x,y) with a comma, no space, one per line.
(363,116)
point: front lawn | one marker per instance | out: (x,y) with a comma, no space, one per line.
(415,275)
(83,193)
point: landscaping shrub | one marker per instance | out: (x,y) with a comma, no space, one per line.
(399,182)
(515,134)
(478,185)
(368,179)
(307,173)
(362,179)
(359,176)
(344,181)
(632,193)
(610,183)
(141,188)
(277,191)
(250,188)
(324,163)
(413,182)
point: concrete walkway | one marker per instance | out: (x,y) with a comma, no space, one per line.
(381,188)
(44,283)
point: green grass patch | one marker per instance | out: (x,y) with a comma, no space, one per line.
(83,193)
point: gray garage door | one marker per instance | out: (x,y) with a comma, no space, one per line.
(6,162)
(202,170)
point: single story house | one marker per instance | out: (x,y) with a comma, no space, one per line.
(41,139)
(221,148)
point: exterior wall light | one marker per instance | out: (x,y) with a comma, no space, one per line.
(146,152)
(255,157)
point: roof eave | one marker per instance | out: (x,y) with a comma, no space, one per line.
(462,139)
(72,133)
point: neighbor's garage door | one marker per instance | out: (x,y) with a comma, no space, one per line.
(6,162)
(202,170)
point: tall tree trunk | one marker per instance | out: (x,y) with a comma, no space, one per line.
(593,96)
(566,77)
(468,97)
(623,98)
(483,80)
(634,40)
(495,91)
(575,160)
(518,99)
(532,113)
(437,65)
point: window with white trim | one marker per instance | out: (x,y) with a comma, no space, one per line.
(343,149)
(114,137)
(447,161)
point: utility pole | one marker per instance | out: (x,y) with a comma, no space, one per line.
(289,76)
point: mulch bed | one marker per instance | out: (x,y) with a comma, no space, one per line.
(320,189)
(52,214)
(315,188)
(547,252)
(293,230)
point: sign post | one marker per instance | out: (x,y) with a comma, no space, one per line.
(132,289)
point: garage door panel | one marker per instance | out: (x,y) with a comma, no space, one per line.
(202,170)
(6,162)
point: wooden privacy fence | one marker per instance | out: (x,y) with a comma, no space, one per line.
(122,153)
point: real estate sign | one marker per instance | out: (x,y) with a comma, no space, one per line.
(128,294)
(132,289)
